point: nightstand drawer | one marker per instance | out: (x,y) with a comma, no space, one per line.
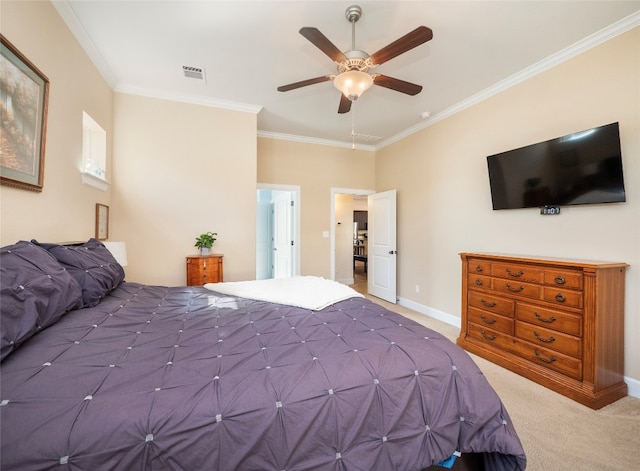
(204,269)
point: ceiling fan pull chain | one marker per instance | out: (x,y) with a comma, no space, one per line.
(353,128)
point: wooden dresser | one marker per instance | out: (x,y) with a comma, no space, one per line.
(559,323)
(202,269)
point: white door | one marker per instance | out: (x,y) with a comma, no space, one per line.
(382,254)
(264,240)
(282,235)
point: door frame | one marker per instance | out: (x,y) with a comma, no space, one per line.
(295,191)
(332,232)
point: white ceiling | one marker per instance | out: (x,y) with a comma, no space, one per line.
(249,48)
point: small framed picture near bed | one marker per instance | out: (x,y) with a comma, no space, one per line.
(102,221)
(24,96)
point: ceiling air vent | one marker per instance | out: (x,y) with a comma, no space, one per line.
(364,138)
(193,72)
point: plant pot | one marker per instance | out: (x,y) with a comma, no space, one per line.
(205,250)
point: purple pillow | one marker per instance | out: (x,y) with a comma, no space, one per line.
(91,265)
(35,290)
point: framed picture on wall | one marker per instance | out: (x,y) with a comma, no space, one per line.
(102,221)
(24,96)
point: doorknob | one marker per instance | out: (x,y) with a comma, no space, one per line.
(391,252)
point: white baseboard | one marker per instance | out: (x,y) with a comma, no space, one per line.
(429,311)
(633,385)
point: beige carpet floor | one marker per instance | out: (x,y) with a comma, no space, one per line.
(557,434)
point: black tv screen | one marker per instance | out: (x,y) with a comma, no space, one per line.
(580,168)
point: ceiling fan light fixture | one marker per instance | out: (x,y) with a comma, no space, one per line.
(353,83)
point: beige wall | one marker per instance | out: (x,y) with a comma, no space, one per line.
(65,209)
(444,203)
(181,170)
(316,169)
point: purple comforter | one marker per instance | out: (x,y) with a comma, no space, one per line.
(157,378)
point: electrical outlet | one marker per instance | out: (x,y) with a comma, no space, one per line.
(417,288)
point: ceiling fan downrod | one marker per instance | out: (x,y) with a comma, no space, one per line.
(353,14)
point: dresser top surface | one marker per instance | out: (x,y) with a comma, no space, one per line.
(546,260)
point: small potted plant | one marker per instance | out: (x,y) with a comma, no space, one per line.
(205,241)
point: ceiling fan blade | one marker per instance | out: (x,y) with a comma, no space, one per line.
(397,85)
(304,83)
(320,41)
(418,36)
(345,104)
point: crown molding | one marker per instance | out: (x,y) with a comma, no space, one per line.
(187,98)
(71,20)
(597,38)
(314,140)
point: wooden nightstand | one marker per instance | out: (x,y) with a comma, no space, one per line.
(202,269)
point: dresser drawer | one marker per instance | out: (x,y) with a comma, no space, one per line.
(479,281)
(479,267)
(527,290)
(551,339)
(511,271)
(563,279)
(556,320)
(491,320)
(491,337)
(563,297)
(559,362)
(491,303)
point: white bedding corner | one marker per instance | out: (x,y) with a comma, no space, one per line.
(309,292)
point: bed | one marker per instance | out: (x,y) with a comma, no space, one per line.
(100,373)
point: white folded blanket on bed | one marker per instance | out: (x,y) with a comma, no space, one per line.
(309,292)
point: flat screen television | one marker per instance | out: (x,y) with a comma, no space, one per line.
(580,168)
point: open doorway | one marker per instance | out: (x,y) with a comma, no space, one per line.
(360,243)
(277,232)
(349,237)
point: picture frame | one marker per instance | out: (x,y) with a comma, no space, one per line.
(24,99)
(102,221)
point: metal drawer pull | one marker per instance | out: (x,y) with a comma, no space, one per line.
(546,360)
(478,282)
(486,304)
(549,340)
(560,298)
(488,321)
(487,337)
(515,275)
(479,268)
(559,280)
(541,319)
(514,290)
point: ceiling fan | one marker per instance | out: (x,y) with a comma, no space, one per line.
(353,76)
